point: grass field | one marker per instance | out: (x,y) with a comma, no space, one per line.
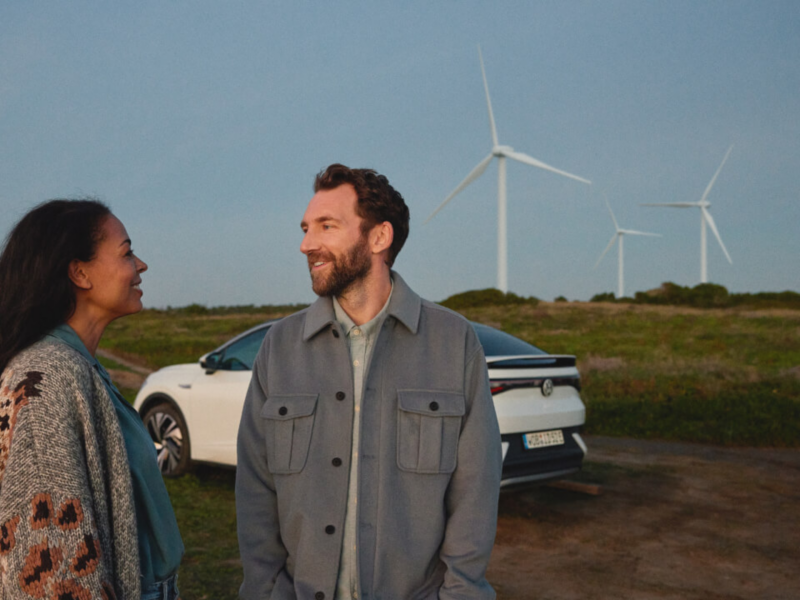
(718,376)
(721,376)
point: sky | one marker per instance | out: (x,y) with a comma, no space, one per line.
(202,124)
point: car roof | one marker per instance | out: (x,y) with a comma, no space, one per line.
(233,340)
(499,343)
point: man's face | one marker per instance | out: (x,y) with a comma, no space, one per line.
(338,253)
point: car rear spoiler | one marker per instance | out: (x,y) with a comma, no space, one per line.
(529,361)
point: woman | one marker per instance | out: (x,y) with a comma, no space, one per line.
(84,512)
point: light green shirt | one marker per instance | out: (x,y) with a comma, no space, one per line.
(360,340)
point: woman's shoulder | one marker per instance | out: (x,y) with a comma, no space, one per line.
(49,362)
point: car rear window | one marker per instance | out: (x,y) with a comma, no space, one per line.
(499,343)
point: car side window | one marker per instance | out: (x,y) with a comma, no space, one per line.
(241,355)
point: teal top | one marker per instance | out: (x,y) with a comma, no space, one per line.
(160,544)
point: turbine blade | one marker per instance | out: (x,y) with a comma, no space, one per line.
(714,178)
(616,225)
(634,232)
(529,160)
(611,243)
(710,220)
(488,100)
(474,174)
(676,204)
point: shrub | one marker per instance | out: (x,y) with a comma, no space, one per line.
(198,310)
(487,297)
(785,299)
(704,295)
(604,297)
(709,295)
(195,310)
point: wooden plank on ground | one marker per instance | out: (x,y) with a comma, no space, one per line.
(591,489)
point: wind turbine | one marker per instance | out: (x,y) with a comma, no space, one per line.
(705,217)
(620,235)
(501,152)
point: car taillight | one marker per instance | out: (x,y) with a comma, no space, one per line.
(502,385)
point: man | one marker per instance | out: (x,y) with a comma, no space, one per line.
(369,452)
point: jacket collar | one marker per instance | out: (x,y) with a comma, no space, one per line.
(405,306)
(67,335)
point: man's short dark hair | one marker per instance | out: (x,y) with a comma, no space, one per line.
(378,201)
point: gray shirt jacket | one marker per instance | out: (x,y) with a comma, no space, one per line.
(429,468)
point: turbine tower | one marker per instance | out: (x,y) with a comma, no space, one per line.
(705,217)
(620,235)
(501,152)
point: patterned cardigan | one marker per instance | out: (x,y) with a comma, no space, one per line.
(67,519)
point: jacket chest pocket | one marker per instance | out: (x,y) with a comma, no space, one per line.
(428,428)
(289,424)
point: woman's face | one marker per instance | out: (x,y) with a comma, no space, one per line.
(114,273)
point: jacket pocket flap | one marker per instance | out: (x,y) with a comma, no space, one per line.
(432,403)
(282,408)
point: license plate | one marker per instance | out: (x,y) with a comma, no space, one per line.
(541,439)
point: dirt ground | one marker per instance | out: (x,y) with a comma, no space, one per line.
(674,521)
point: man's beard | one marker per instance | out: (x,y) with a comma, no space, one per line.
(345,270)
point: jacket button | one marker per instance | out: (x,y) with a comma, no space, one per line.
(319,595)
(282,411)
(337,462)
(434,406)
(330,530)
(340,395)
(335,334)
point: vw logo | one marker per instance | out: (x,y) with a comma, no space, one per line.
(547,387)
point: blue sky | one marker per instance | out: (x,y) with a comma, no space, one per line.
(203,123)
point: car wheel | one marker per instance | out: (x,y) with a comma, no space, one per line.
(168,431)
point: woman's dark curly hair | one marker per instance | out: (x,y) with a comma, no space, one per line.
(36,293)
(378,201)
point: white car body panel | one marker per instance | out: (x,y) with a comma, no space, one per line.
(211,404)
(518,412)
(217,402)
(524,410)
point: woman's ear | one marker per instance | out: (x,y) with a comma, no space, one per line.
(79,275)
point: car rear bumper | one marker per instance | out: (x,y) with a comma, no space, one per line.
(523,466)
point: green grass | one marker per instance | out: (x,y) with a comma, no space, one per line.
(128,393)
(158,338)
(721,376)
(763,413)
(204,506)
(112,364)
(729,377)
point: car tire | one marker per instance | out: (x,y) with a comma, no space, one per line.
(167,429)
